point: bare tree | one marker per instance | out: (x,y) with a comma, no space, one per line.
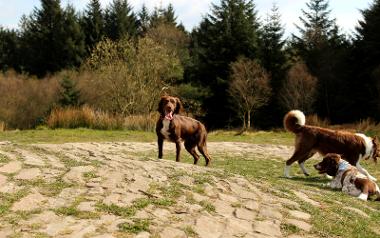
(249,88)
(299,89)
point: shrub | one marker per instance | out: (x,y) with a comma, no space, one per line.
(141,122)
(85,116)
(25,101)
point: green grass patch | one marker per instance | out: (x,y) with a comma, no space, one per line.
(189,231)
(289,229)
(7,200)
(4,159)
(137,226)
(207,206)
(89,135)
(73,211)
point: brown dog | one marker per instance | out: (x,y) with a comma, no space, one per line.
(312,139)
(347,177)
(174,127)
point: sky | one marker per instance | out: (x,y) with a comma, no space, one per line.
(191,12)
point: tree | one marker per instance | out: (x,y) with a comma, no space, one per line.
(162,15)
(9,49)
(69,95)
(128,76)
(367,62)
(325,52)
(51,39)
(144,20)
(273,59)
(93,24)
(249,88)
(231,30)
(73,39)
(120,20)
(299,89)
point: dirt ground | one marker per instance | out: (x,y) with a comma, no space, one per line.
(113,190)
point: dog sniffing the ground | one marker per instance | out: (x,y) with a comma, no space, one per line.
(347,177)
(312,139)
(176,128)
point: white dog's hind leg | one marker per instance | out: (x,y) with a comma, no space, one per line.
(304,170)
(365,172)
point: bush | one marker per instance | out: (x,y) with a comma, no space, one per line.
(141,122)
(83,117)
(25,101)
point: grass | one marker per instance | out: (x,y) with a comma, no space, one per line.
(137,226)
(89,135)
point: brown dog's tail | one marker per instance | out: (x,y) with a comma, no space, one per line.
(294,120)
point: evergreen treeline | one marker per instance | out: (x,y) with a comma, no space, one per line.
(318,69)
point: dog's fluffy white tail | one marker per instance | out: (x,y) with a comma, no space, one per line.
(294,120)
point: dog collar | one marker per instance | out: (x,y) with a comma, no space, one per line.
(343,165)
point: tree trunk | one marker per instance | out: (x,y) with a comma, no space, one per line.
(249,120)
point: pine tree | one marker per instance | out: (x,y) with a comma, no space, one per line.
(169,15)
(9,49)
(144,20)
(273,59)
(69,95)
(93,24)
(324,50)
(231,30)
(367,63)
(73,39)
(42,38)
(120,20)
(52,39)
(162,15)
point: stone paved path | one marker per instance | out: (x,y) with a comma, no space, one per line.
(109,190)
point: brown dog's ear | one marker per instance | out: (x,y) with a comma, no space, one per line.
(332,167)
(376,152)
(179,107)
(160,108)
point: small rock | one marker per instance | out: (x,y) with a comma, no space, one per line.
(244,214)
(87,206)
(269,228)
(143,234)
(299,215)
(170,232)
(208,227)
(28,174)
(30,202)
(300,224)
(11,167)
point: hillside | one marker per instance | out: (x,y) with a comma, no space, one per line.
(120,189)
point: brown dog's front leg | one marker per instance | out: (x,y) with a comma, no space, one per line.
(160,143)
(178,150)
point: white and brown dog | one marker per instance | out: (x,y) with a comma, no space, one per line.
(347,177)
(313,139)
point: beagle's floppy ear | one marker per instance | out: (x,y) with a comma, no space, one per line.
(179,108)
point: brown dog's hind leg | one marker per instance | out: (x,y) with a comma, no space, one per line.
(204,152)
(190,147)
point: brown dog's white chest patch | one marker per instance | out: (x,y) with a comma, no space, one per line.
(165,129)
